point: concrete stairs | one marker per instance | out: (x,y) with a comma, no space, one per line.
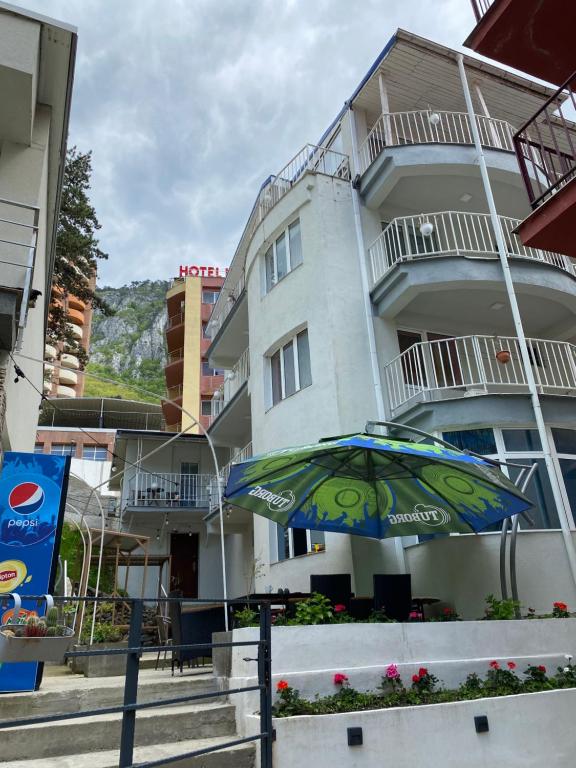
(94,741)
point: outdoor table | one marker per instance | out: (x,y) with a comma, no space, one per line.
(422,601)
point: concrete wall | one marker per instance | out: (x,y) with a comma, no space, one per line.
(192,355)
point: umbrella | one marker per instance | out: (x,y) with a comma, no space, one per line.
(375,486)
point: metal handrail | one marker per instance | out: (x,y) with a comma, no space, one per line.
(481,7)
(171,489)
(394,129)
(451,233)
(175,320)
(176,355)
(234,380)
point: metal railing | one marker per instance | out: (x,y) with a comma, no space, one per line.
(17,258)
(175,320)
(310,159)
(471,365)
(168,489)
(233,381)
(451,233)
(175,392)
(179,649)
(481,7)
(176,355)
(396,129)
(238,456)
(101,419)
(216,322)
(546,145)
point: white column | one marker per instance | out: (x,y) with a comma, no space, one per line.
(385,106)
(493,132)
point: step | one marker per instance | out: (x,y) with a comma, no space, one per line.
(162,725)
(64,694)
(242,756)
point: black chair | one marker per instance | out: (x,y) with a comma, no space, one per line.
(337,587)
(193,628)
(393,595)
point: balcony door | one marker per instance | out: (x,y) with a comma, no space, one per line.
(188,484)
(440,360)
(184,563)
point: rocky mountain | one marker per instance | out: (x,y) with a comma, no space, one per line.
(129,346)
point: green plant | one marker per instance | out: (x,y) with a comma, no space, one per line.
(424,683)
(448,614)
(104,632)
(471,688)
(379,617)
(289,701)
(316,609)
(560,611)
(35,627)
(502,682)
(246,617)
(500,610)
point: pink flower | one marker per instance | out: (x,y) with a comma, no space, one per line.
(494,665)
(511,665)
(392,672)
(339,608)
(414,615)
(340,679)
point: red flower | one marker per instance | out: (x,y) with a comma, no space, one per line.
(561,606)
(511,665)
(282,685)
(448,611)
(422,672)
(494,665)
(415,678)
(340,679)
(541,668)
(339,608)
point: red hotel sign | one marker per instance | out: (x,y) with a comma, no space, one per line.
(200,271)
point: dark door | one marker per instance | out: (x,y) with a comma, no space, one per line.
(184,570)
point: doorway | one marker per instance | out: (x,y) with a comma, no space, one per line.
(184,568)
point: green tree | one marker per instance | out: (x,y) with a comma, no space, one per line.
(77,250)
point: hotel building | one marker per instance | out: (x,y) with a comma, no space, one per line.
(366,286)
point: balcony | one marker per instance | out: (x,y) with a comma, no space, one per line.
(18,242)
(546,151)
(396,129)
(231,404)
(533,37)
(469,366)
(149,491)
(174,369)
(451,233)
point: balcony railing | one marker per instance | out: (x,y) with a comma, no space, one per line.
(240,455)
(172,490)
(175,320)
(481,7)
(233,381)
(176,355)
(217,321)
(453,234)
(175,392)
(476,365)
(546,145)
(396,129)
(18,243)
(310,159)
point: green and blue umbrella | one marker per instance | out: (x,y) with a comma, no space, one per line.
(376,487)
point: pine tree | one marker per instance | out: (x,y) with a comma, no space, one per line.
(77,251)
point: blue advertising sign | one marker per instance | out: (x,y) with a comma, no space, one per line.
(32,500)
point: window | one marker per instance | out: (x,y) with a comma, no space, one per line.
(565,440)
(292,542)
(207,370)
(205,331)
(477,440)
(210,296)
(38,447)
(95,452)
(206,406)
(290,368)
(284,255)
(521,440)
(63,449)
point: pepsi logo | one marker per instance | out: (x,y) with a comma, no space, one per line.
(26,498)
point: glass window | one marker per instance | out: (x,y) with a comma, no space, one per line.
(568,469)
(283,539)
(539,491)
(270,273)
(63,449)
(289,371)
(205,331)
(210,296)
(480,441)
(207,369)
(95,452)
(206,406)
(565,440)
(304,370)
(276,378)
(39,448)
(299,541)
(292,542)
(317,541)
(522,440)
(295,242)
(281,257)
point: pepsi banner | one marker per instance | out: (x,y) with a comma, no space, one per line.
(32,500)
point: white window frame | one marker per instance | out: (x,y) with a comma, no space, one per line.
(291,555)
(72,451)
(280,350)
(94,448)
(289,268)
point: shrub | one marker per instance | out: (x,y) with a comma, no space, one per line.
(500,610)
(246,618)
(316,609)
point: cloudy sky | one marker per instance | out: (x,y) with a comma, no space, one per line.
(188,105)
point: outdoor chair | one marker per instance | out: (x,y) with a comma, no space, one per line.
(393,595)
(337,587)
(193,629)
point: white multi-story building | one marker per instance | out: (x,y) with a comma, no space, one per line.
(367,285)
(36,71)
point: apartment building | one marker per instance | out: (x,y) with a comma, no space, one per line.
(190,380)
(366,286)
(37,66)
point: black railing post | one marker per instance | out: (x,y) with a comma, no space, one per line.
(131,684)
(265,680)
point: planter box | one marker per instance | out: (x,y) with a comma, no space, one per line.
(14,649)
(526,731)
(100,666)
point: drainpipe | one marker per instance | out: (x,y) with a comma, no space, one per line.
(367,301)
(526,362)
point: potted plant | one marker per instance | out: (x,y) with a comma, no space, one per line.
(105,636)
(503,356)
(34,638)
